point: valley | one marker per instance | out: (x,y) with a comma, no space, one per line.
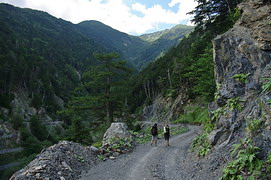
(68,88)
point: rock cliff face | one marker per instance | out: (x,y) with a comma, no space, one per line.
(164,108)
(242,59)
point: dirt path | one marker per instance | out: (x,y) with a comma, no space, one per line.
(148,162)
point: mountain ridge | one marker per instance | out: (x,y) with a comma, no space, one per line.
(139,50)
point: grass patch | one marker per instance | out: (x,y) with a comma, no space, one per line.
(193,115)
(10,157)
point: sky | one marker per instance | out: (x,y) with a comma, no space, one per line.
(134,17)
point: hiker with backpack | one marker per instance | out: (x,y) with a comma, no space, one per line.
(166,134)
(154,133)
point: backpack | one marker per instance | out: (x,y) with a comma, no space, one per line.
(154,131)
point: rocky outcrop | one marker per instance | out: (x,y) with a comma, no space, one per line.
(8,136)
(65,160)
(164,108)
(242,58)
(117,131)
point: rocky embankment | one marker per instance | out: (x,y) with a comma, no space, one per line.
(67,160)
(64,160)
(242,59)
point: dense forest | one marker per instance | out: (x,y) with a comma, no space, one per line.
(85,86)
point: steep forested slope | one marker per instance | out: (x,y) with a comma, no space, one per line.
(41,54)
(186,70)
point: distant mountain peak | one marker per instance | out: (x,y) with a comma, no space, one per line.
(170,34)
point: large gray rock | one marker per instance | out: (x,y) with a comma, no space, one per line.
(116,131)
(214,136)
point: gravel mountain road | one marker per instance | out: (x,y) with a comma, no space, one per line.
(148,162)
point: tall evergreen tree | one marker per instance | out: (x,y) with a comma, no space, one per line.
(103,80)
(208,10)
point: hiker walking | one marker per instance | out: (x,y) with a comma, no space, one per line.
(166,134)
(154,133)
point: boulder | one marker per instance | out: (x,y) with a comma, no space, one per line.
(116,131)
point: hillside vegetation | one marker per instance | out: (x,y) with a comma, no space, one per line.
(61,81)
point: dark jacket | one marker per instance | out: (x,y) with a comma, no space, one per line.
(154,130)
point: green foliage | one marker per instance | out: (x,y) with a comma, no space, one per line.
(17,121)
(30,142)
(143,136)
(98,144)
(217,113)
(38,129)
(36,58)
(235,15)
(266,87)
(98,100)
(23,161)
(79,158)
(208,11)
(10,157)
(118,143)
(208,125)
(200,145)
(102,157)
(5,98)
(31,145)
(193,115)
(268,164)
(253,125)
(234,103)
(246,162)
(217,95)
(172,93)
(79,132)
(103,90)
(178,130)
(37,101)
(241,77)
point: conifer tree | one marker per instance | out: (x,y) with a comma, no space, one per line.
(101,91)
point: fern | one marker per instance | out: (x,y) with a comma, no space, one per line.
(246,163)
(253,126)
(234,103)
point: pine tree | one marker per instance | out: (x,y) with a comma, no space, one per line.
(103,81)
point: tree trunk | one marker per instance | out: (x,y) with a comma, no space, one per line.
(109,112)
(169,78)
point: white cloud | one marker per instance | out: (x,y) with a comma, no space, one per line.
(114,13)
